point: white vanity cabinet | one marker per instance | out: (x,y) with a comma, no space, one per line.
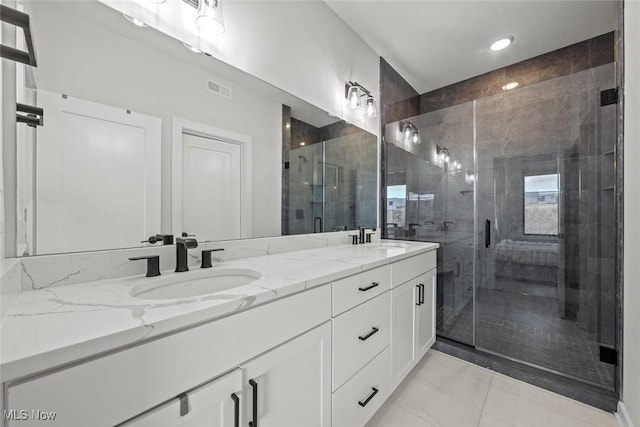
(328,356)
(291,384)
(215,404)
(425,313)
(412,314)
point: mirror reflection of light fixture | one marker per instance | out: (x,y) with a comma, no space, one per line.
(410,132)
(353,91)
(210,16)
(443,155)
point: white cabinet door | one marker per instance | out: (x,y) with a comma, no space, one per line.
(425,313)
(290,386)
(215,404)
(403,300)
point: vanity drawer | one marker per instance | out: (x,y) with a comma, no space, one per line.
(355,402)
(358,335)
(407,269)
(354,290)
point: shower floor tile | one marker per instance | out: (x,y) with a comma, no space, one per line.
(528,335)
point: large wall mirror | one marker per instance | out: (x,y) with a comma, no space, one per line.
(144,134)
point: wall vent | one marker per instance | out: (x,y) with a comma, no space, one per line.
(219,89)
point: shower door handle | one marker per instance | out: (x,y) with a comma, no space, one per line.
(487,233)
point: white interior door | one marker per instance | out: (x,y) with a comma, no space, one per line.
(97,176)
(211,188)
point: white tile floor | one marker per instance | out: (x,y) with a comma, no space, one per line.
(443,391)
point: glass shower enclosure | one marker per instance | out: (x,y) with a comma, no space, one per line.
(519,191)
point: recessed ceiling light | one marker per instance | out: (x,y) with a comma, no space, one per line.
(192,48)
(302,143)
(502,43)
(510,86)
(134,21)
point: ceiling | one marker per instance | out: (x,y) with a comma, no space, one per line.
(436,43)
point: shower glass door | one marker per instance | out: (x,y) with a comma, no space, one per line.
(544,255)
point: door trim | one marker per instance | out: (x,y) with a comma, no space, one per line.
(181,126)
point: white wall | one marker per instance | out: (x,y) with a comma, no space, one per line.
(302,47)
(631,346)
(78,58)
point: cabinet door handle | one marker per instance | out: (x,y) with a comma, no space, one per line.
(369,335)
(363,403)
(371,286)
(254,386)
(421,293)
(236,410)
(418,298)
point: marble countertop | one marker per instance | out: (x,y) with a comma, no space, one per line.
(50,327)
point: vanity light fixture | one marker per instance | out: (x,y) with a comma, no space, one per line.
(443,155)
(353,91)
(503,43)
(210,16)
(192,48)
(410,132)
(135,21)
(509,86)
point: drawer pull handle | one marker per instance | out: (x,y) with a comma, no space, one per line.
(184,404)
(371,286)
(254,386)
(363,403)
(369,335)
(236,410)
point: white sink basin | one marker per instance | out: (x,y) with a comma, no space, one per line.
(184,285)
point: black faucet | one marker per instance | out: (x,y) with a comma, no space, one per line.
(182,244)
(166,239)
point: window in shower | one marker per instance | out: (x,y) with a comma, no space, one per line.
(396,205)
(541,204)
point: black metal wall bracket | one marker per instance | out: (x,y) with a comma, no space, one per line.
(34,116)
(19,19)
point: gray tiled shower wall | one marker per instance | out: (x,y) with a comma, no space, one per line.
(552,122)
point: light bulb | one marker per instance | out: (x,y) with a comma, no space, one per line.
(510,86)
(371,108)
(502,43)
(210,16)
(353,98)
(416,137)
(407,132)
